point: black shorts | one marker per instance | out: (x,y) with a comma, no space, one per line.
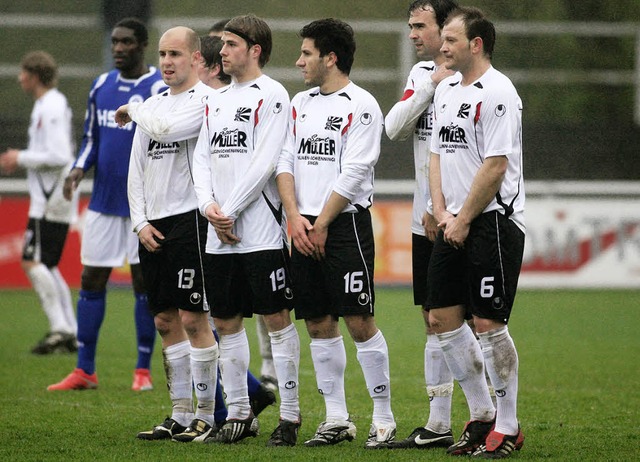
(484,274)
(248,283)
(173,277)
(421,248)
(44,241)
(342,283)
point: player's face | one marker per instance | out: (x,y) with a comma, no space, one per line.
(312,65)
(176,61)
(456,48)
(126,51)
(27,81)
(424,32)
(236,56)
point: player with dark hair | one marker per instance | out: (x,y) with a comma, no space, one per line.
(325,179)
(47,159)
(477,190)
(107,241)
(413,116)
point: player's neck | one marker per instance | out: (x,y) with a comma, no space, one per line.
(39,91)
(186,85)
(248,76)
(334,82)
(136,72)
(475,71)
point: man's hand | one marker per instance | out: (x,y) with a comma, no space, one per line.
(71,182)
(430,226)
(300,227)
(222,224)
(122,115)
(440,74)
(151,238)
(318,238)
(9,161)
(456,232)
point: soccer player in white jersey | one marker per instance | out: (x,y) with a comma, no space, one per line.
(185,122)
(247,258)
(325,179)
(47,159)
(477,192)
(413,115)
(172,235)
(107,240)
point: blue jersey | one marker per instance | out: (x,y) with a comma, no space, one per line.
(106,146)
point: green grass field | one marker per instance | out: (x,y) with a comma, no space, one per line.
(579,386)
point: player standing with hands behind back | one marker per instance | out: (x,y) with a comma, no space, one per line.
(477,191)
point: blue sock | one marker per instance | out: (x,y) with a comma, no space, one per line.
(220,412)
(252,383)
(91,308)
(145,331)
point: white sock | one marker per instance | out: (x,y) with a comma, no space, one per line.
(178,372)
(285,345)
(464,358)
(204,370)
(234,364)
(64,294)
(45,286)
(267,368)
(373,356)
(501,359)
(330,361)
(439,382)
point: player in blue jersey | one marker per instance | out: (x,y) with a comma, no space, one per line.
(107,238)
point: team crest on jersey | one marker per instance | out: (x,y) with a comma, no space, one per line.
(366,118)
(501,109)
(302,118)
(136,99)
(277,109)
(216,112)
(443,107)
(333,123)
(242,114)
(463,112)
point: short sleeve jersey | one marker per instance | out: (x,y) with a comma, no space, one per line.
(106,146)
(333,144)
(161,173)
(472,123)
(240,140)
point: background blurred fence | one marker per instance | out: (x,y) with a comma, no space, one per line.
(582,120)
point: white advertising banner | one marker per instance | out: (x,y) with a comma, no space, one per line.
(582,242)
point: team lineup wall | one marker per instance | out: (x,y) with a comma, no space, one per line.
(574,239)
